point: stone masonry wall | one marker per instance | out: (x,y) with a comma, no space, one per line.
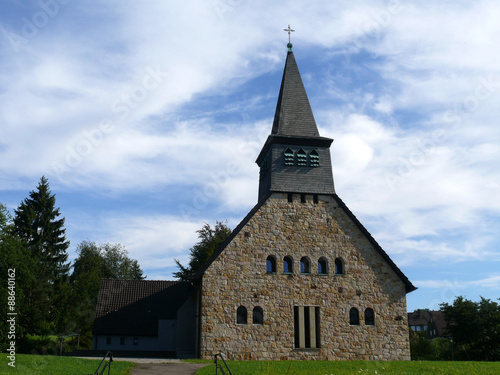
(238,277)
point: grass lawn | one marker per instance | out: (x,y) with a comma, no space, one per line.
(356,367)
(27,364)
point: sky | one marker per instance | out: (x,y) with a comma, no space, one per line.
(147,117)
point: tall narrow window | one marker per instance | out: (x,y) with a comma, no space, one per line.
(306,326)
(122,340)
(271,264)
(339,266)
(354,317)
(314,158)
(369,317)
(289,157)
(290,197)
(258,315)
(288,265)
(301,158)
(302,198)
(305,265)
(108,340)
(241,315)
(322,266)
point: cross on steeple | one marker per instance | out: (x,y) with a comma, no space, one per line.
(289,31)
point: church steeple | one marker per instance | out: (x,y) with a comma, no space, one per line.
(295,158)
(293,116)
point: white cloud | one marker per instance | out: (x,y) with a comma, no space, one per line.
(414,88)
(154,240)
(490,282)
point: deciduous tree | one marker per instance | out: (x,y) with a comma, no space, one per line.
(200,253)
(475,328)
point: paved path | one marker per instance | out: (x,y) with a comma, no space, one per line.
(167,368)
(159,366)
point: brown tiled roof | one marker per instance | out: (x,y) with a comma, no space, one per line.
(432,319)
(133,307)
(419,318)
(438,318)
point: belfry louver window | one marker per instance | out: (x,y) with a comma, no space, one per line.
(288,157)
(302,158)
(314,158)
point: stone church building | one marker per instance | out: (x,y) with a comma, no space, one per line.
(299,277)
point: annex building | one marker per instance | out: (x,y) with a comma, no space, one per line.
(298,278)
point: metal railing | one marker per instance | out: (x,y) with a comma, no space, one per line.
(106,364)
(223,367)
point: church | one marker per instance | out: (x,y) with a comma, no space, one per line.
(299,278)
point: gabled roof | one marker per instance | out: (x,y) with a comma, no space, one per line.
(428,318)
(133,307)
(409,287)
(293,116)
(228,240)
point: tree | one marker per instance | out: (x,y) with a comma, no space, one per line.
(36,222)
(14,256)
(475,328)
(38,226)
(200,253)
(93,263)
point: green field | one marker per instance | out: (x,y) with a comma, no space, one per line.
(53,365)
(356,367)
(27,364)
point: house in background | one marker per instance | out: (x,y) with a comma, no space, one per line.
(432,322)
(145,317)
(299,278)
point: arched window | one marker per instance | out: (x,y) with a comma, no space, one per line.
(289,157)
(314,158)
(339,266)
(258,315)
(305,265)
(301,158)
(271,264)
(354,317)
(322,266)
(288,265)
(241,315)
(369,317)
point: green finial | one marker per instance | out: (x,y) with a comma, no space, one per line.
(289,45)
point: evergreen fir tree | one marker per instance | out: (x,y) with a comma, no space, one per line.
(38,226)
(37,222)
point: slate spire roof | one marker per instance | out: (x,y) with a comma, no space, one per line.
(295,137)
(293,116)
